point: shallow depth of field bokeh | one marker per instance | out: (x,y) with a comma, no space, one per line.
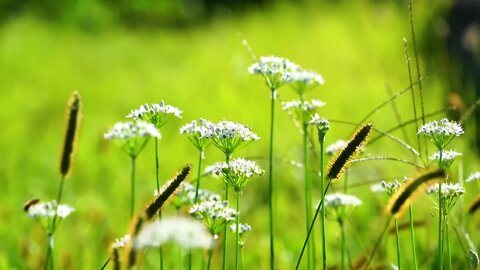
(201,67)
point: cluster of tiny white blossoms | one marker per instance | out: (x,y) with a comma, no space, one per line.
(242,228)
(473,177)
(237,172)
(155,113)
(339,205)
(216,214)
(448,156)
(121,242)
(450,194)
(303,110)
(132,129)
(442,132)
(198,133)
(321,123)
(390,187)
(49,210)
(228,135)
(276,70)
(335,147)
(185,232)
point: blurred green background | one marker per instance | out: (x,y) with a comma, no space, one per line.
(121,54)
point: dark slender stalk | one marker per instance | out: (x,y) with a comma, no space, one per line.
(308,197)
(270,180)
(397,237)
(157,172)
(311,226)
(323,191)
(412,236)
(132,187)
(106,263)
(237,231)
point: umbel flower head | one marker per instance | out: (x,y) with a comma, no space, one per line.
(237,172)
(391,187)
(447,157)
(243,229)
(185,232)
(322,125)
(200,134)
(228,136)
(303,111)
(441,133)
(339,206)
(277,71)
(304,80)
(215,214)
(473,177)
(156,114)
(45,212)
(132,136)
(450,194)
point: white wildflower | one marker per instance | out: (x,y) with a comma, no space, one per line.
(228,135)
(49,210)
(155,113)
(450,194)
(448,156)
(242,228)
(339,205)
(304,80)
(121,242)
(216,214)
(185,232)
(302,110)
(132,136)
(199,133)
(276,70)
(322,124)
(237,172)
(473,177)
(442,132)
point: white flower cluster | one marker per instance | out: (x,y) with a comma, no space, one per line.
(229,129)
(390,187)
(242,228)
(446,155)
(304,106)
(200,130)
(147,111)
(237,172)
(49,210)
(448,190)
(335,147)
(473,177)
(121,242)
(442,132)
(216,214)
(278,70)
(132,129)
(321,123)
(185,232)
(337,200)
(307,77)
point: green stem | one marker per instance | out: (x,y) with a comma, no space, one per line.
(412,235)
(224,262)
(199,171)
(344,244)
(440,217)
(210,252)
(157,173)
(241,257)
(270,180)
(449,254)
(132,187)
(308,197)
(237,231)
(322,188)
(397,236)
(53,227)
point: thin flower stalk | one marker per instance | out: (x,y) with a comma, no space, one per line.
(397,238)
(412,236)
(308,198)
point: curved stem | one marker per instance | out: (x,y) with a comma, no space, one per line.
(322,188)
(308,197)
(157,172)
(397,237)
(132,188)
(237,230)
(270,180)
(412,236)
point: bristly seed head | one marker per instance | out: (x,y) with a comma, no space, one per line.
(73,118)
(343,159)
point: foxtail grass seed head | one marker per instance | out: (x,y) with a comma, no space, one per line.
(73,117)
(130,253)
(243,229)
(333,148)
(157,114)
(342,160)
(450,194)
(132,136)
(474,206)
(448,156)
(407,192)
(238,172)
(339,206)
(473,177)
(185,232)
(302,111)
(215,214)
(167,191)
(304,80)
(441,133)
(277,71)
(228,136)
(200,134)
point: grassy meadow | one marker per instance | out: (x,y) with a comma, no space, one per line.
(356,46)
